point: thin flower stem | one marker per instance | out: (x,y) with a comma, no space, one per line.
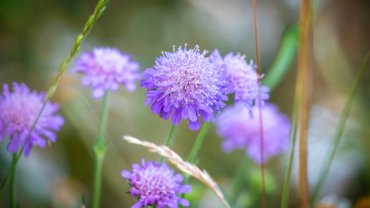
(198,142)
(237,182)
(339,132)
(4,183)
(12,195)
(292,139)
(197,145)
(169,139)
(171,134)
(100,149)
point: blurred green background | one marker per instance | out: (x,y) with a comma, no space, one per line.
(35,36)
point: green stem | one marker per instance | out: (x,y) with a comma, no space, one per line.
(170,136)
(292,139)
(198,142)
(237,182)
(197,145)
(12,197)
(100,149)
(339,132)
(3,184)
(169,140)
(284,58)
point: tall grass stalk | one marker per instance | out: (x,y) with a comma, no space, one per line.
(339,132)
(292,140)
(98,11)
(259,103)
(303,88)
(100,148)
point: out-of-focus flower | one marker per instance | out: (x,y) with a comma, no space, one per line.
(106,69)
(241,131)
(18,111)
(241,78)
(155,184)
(184,84)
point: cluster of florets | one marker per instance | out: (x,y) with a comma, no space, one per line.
(18,112)
(187,84)
(183,84)
(241,78)
(241,131)
(105,69)
(155,184)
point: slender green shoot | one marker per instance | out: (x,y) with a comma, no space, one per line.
(339,132)
(284,58)
(237,181)
(292,139)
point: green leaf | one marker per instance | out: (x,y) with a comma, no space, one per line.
(284,58)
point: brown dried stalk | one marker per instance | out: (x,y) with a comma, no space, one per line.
(182,165)
(303,88)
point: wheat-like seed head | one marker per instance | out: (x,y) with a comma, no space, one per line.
(182,165)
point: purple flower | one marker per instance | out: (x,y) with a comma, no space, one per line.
(18,111)
(241,78)
(155,184)
(240,131)
(184,84)
(107,69)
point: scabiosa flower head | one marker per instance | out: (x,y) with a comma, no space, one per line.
(18,111)
(155,184)
(241,78)
(184,84)
(106,69)
(241,131)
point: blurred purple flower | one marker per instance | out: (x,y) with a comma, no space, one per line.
(155,184)
(107,69)
(241,78)
(185,85)
(18,111)
(240,131)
